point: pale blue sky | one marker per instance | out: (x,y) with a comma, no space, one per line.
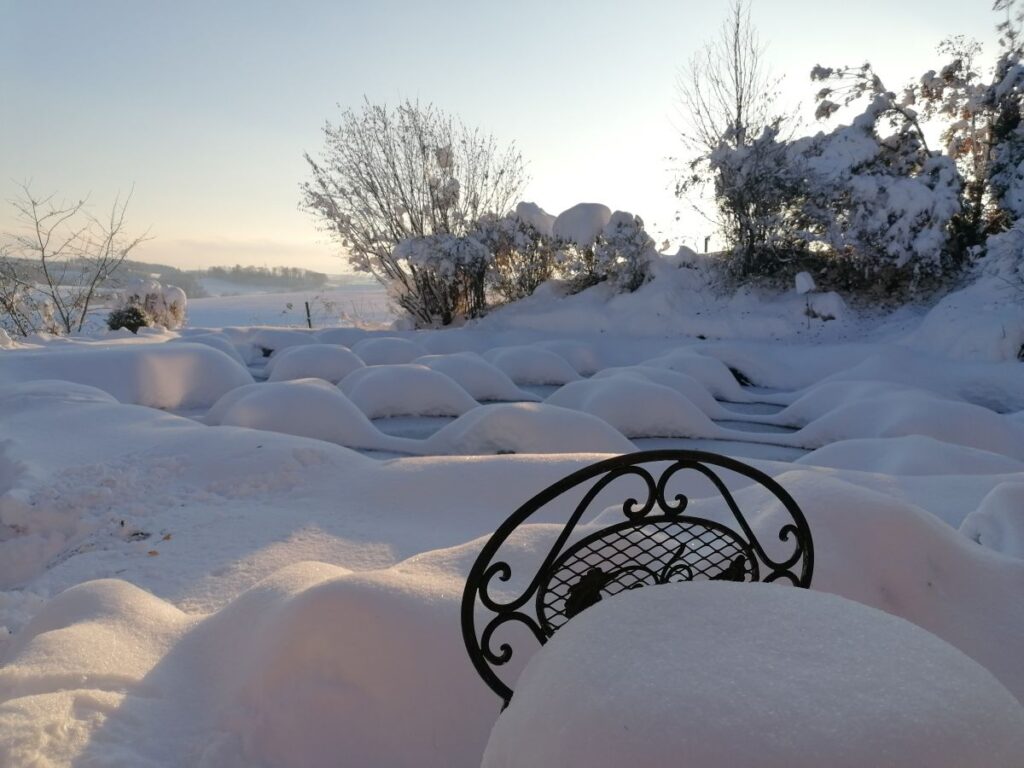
(206,107)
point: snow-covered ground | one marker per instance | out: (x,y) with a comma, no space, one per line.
(200,567)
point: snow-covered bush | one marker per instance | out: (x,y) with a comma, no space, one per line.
(623,252)
(523,256)
(447,274)
(158,305)
(392,175)
(882,205)
(131,317)
(756,190)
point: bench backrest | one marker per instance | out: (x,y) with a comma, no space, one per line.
(653,542)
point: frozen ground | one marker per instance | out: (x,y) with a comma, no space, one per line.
(199,567)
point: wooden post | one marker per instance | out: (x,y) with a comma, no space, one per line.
(309,319)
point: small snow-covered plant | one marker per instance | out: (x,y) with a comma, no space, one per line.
(523,258)
(448,273)
(131,317)
(623,252)
(161,305)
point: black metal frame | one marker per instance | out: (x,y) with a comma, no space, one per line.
(655,544)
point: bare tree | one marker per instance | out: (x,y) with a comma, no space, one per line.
(388,175)
(726,92)
(53,266)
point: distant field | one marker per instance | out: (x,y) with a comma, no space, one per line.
(352,302)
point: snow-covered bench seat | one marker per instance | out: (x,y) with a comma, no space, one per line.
(655,533)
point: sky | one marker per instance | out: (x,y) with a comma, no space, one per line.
(205,107)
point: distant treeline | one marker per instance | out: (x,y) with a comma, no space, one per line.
(267,277)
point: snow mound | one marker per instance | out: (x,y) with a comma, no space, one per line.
(537,217)
(899,414)
(181,375)
(636,407)
(821,399)
(330,362)
(861,685)
(482,380)
(709,371)
(276,339)
(346,337)
(984,321)
(313,663)
(305,408)
(381,391)
(527,365)
(998,386)
(998,523)
(685,385)
(217,341)
(388,350)
(583,357)
(582,223)
(526,428)
(910,455)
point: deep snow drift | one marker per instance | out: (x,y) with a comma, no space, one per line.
(202,568)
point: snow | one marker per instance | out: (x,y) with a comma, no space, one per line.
(910,455)
(330,362)
(797,673)
(304,407)
(537,217)
(804,283)
(478,377)
(388,350)
(709,371)
(405,390)
(637,407)
(532,365)
(527,428)
(264,577)
(998,523)
(582,223)
(157,375)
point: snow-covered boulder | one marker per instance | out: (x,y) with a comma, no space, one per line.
(583,357)
(381,391)
(636,407)
(528,364)
(910,455)
(181,375)
(346,337)
(582,223)
(682,383)
(767,676)
(212,339)
(482,380)
(306,408)
(911,413)
(998,522)
(526,428)
(709,371)
(388,350)
(331,362)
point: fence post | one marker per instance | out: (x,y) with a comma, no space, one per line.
(309,319)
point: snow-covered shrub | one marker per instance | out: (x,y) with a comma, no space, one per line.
(882,207)
(158,304)
(448,278)
(523,256)
(130,317)
(756,189)
(623,252)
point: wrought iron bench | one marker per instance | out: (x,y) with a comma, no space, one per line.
(654,543)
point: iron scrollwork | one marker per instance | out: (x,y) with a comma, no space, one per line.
(656,543)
